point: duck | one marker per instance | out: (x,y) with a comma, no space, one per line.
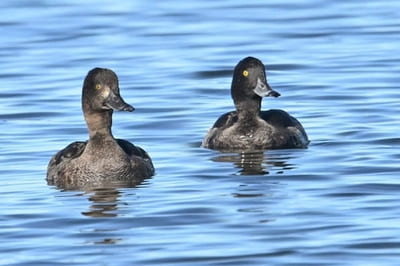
(102,159)
(249,128)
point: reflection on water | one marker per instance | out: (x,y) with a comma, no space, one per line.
(89,185)
(257,162)
(104,202)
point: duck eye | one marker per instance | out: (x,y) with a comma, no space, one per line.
(245,73)
(98,86)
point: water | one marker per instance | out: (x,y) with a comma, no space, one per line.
(335,64)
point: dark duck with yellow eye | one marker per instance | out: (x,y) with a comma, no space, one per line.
(102,159)
(249,128)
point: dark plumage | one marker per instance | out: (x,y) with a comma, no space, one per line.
(248,128)
(102,159)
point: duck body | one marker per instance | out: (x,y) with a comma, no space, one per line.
(249,128)
(102,159)
(265,132)
(99,161)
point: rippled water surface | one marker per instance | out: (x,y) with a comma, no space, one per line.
(336,64)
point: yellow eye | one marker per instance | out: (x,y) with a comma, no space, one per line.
(245,73)
(98,86)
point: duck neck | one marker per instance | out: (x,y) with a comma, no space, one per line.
(248,110)
(99,123)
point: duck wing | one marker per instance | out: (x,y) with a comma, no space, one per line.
(139,158)
(70,152)
(132,150)
(279,118)
(61,158)
(288,127)
(226,120)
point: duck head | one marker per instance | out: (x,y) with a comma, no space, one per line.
(250,81)
(101,92)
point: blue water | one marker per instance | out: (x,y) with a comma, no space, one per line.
(336,64)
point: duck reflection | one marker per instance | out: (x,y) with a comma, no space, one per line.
(104,202)
(257,162)
(88,185)
(104,196)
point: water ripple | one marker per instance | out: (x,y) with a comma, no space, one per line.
(336,66)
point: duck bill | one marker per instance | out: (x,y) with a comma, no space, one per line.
(116,102)
(262,89)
